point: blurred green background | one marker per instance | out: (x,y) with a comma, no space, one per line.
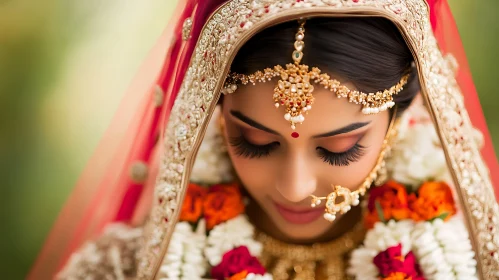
(64,66)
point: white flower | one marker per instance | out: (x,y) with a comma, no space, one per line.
(212,165)
(184,258)
(418,157)
(361,264)
(229,235)
(253,276)
(443,250)
(383,236)
(378,239)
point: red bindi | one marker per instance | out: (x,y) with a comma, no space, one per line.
(295,134)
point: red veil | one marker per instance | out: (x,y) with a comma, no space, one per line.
(106,192)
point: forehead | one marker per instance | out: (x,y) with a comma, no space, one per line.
(328,112)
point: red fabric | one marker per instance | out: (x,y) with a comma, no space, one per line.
(449,41)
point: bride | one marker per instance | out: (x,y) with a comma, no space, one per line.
(292,139)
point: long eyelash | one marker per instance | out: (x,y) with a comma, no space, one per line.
(344,158)
(246,149)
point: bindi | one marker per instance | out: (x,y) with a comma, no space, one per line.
(295,134)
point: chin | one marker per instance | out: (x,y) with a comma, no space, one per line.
(306,233)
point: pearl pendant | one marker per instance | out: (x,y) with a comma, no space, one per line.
(329,217)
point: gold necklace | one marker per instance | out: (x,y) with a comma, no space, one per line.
(309,262)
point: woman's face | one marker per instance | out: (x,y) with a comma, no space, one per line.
(337,145)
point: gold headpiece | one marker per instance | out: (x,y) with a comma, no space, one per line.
(294,89)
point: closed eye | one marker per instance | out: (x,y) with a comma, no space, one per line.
(341,159)
(247,149)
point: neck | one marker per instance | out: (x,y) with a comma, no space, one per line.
(262,222)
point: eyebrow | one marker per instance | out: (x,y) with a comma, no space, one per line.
(343,130)
(252,123)
(351,127)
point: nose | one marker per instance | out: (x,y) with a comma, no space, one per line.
(297,180)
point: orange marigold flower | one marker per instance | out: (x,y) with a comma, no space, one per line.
(397,276)
(239,276)
(433,199)
(222,203)
(392,197)
(192,208)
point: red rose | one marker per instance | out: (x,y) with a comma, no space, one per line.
(235,261)
(391,261)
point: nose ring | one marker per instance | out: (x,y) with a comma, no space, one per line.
(332,206)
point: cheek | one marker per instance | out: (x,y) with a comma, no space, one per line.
(353,175)
(255,174)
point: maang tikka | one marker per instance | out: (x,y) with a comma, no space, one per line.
(295,86)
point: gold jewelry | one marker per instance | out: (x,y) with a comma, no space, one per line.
(352,198)
(317,261)
(382,174)
(294,89)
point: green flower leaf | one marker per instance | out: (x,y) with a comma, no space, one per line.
(379,210)
(442,216)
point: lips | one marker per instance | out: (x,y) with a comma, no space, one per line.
(299,216)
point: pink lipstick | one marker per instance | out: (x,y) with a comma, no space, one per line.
(299,216)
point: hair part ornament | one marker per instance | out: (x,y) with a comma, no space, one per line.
(295,86)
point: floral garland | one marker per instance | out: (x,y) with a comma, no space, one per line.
(213,236)
(212,165)
(413,236)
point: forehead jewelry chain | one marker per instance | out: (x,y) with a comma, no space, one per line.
(295,86)
(352,198)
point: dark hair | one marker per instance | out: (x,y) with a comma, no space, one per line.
(369,52)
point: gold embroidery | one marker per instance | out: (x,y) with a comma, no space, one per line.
(186,29)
